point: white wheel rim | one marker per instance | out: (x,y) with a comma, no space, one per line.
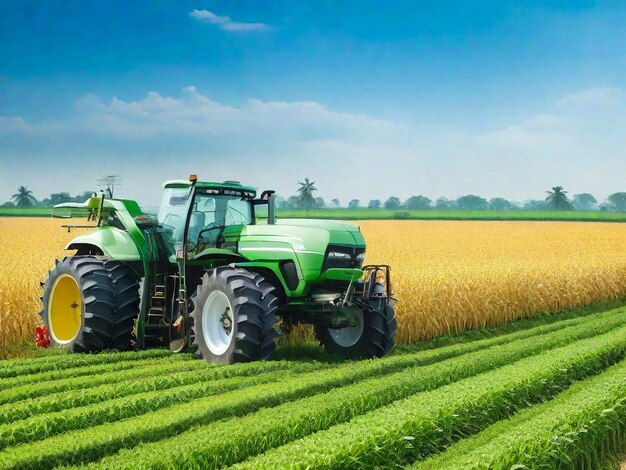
(216,314)
(349,336)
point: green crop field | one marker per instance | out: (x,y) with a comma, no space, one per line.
(451,214)
(365,214)
(545,392)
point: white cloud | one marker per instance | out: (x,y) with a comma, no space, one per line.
(193,113)
(350,155)
(595,97)
(225,23)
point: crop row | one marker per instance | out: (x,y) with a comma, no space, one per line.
(338,404)
(160,377)
(119,387)
(50,423)
(65,361)
(88,370)
(572,430)
(432,418)
(44,422)
(143,370)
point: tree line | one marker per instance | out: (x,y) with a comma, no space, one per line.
(24,198)
(557,199)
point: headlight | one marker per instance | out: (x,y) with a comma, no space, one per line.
(336,255)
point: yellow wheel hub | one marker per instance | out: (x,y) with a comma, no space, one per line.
(64,309)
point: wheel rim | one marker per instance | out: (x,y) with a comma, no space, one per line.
(349,336)
(64,309)
(218,322)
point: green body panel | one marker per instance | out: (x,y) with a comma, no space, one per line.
(129,245)
(113,242)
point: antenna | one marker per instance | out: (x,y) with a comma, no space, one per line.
(108,182)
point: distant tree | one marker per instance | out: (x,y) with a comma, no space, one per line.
(58,198)
(281,202)
(472,203)
(443,203)
(535,205)
(293,202)
(336,203)
(557,199)
(374,204)
(584,202)
(500,204)
(354,204)
(7,205)
(306,198)
(617,201)
(319,202)
(83,196)
(24,197)
(418,203)
(392,203)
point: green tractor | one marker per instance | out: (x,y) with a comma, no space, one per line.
(210,273)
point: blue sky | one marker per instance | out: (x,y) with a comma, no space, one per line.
(370,99)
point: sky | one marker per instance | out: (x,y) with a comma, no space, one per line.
(369,99)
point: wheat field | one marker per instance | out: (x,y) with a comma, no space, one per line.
(454,275)
(447,275)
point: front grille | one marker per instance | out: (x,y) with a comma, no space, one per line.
(342,257)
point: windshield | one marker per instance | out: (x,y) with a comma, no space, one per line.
(211,213)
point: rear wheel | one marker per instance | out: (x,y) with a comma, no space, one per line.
(371,335)
(234,316)
(88,305)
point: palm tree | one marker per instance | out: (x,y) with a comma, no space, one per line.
(557,199)
(24,197)
(305,194)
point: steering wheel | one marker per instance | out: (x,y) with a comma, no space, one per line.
(212,226)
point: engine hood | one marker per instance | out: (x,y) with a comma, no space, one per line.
(305,234)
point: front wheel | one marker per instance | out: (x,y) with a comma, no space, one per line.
(371,335)
(234,316)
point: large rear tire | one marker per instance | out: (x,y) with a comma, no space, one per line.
(234,316)
(371,336)
(88,305)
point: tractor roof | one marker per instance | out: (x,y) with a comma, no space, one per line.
(208,184)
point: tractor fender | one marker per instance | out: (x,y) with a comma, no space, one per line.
(110,241)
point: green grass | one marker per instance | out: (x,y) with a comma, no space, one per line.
(451,214)
(364,214)
(231,441)
(55,361)
(360,384)
(581,428)
(305,408)
(424,423)
(27,212)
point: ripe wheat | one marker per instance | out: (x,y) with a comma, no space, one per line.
(447,275)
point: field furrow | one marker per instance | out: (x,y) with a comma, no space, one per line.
(80,397)
(87,370)
(576,429)
(48,424)
(347,391)
(169,364)
(377,438)
(65,361)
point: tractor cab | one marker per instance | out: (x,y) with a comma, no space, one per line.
(194,216)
